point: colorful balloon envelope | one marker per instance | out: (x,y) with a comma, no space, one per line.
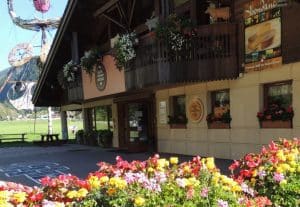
(42,5)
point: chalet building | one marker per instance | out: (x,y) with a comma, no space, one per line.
(230,86)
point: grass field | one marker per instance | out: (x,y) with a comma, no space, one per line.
(41,127)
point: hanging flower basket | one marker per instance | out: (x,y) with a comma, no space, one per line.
(42,5)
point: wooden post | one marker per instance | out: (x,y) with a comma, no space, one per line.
(50,126)
(64,125)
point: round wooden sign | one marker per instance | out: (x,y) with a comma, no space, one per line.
(195,109)
(101,77)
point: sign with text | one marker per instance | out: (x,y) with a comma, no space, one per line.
(263,40)
(163,112)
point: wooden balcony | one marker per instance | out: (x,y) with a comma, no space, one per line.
(209,55)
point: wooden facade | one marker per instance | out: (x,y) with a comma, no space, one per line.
(210,55)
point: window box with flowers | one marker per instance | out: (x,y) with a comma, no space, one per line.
(220,117)
(276,117)
(223,122)
(278,112)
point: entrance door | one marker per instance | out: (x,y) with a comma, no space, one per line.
(137,134)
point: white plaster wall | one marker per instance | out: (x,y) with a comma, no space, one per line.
(246,100)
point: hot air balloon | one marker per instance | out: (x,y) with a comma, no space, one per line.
(42,5)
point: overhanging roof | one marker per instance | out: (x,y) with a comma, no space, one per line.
(78,17)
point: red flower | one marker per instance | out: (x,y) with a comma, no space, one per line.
(234,165)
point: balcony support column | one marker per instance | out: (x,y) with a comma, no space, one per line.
(64,125)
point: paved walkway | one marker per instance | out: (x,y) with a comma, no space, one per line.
(27,165)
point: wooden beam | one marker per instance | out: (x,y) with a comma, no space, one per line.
(105,7)
(131,12)
(121,10)
(114,21)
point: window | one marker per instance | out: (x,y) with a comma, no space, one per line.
(178,112)
(220,110)
(278,94)
(278,111)
(103,118)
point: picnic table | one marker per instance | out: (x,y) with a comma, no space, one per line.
(13,137)
(49,137)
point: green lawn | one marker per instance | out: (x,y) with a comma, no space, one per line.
(27,126)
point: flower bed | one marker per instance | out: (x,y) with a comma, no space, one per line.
(158,182)
(275,173)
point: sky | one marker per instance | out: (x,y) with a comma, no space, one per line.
(11,35)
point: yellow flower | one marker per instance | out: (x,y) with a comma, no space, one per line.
(187,169)
(4,203)
(4,195)
(192,181)
(161,163)
(174,160)
(82,193)
(236,188)
(118,182)
(111,191)
(57,204)
(150,169)
(72,194)
(104,179)
(94,182)
(139,201)
(210,163)
(253,180)
(20,197)
(281,155)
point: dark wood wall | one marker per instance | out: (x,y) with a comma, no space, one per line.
(290,31)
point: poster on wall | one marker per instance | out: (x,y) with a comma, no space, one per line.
(262,39)
(163,112)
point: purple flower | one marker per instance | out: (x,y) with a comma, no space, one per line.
(222,203)
(160,177)
(247,189)
(204,192)
(181,182)
(278,177)
(262,174)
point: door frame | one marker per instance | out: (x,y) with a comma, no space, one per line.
(123,122)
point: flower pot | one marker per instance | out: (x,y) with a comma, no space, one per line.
(276,124)
(218,125)
(178,126)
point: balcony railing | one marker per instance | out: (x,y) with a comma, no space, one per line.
(209,55)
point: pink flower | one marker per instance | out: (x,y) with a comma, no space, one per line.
(278,177)
(204,192)
(222,203)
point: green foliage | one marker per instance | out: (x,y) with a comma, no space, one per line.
(105,138)
(124,48)
(89,59)
(171,31)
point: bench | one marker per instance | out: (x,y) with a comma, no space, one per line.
(12,137)
(49,137)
